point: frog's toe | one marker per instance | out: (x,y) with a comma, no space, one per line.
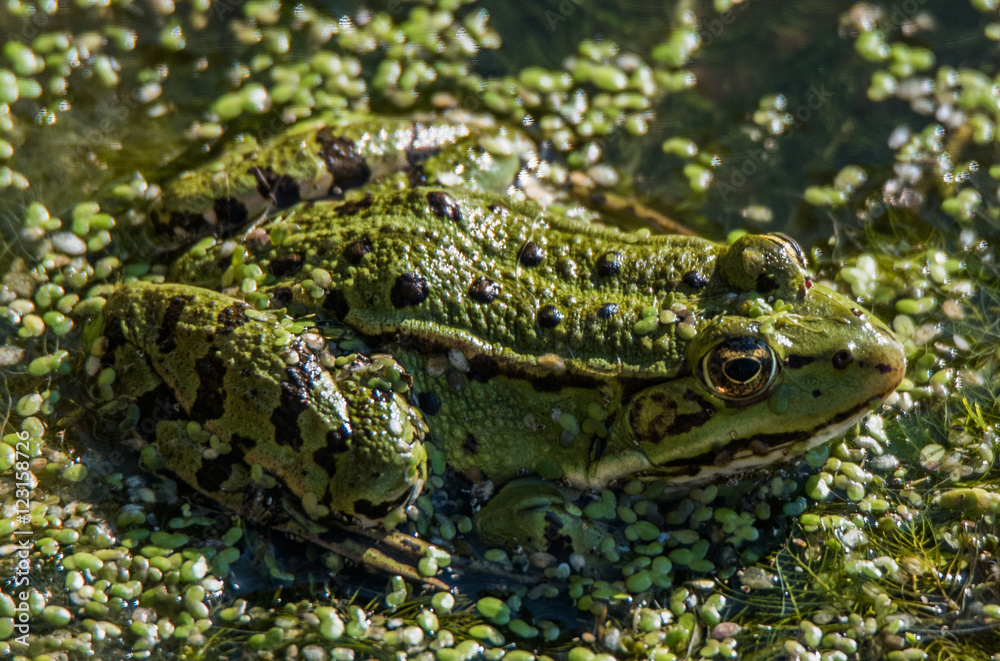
(537,516)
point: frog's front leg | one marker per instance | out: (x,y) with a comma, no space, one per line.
(538,515)
(259,400)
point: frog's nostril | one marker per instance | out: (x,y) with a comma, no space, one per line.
(842,359)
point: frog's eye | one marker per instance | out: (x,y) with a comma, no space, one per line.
(740,368)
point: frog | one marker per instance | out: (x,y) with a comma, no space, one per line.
(346,320)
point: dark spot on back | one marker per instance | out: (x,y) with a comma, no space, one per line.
(356,250)
(484,290)
(444,205)
(336,302)
(549,316)
(694,279)
(409,289)
(609,264)
(354,206)
(883,368)
(282,190)
(286,265)
(166,340)
(607,311)
(471,445)
(230,213)
(232,316)
(531,254)
(817,393)
(428,403)
(795,361)
(842,359)
(343,162)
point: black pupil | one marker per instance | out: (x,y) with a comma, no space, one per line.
(742,370)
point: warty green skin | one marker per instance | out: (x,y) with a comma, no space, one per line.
(532,344)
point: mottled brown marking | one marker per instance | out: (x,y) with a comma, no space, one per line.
(166,338)
(336,444)
(795,361)
(281,297)
(482,368)
(343,162)
(183,222)
(336,302)
(282,190)
(286,265)
(292,402)
(213,473)
(210,400)
(231,214)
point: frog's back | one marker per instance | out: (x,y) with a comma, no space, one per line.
(501,282)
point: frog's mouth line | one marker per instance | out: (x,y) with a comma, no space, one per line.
(756,451)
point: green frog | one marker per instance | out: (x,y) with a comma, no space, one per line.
(354,311)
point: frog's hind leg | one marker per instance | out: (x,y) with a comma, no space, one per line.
(538,516)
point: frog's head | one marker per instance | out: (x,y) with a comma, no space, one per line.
(758,390)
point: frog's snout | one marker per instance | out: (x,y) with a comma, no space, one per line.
(880,358)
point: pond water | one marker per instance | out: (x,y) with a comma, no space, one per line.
(865,131)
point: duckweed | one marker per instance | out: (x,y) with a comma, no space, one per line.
(865,526)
